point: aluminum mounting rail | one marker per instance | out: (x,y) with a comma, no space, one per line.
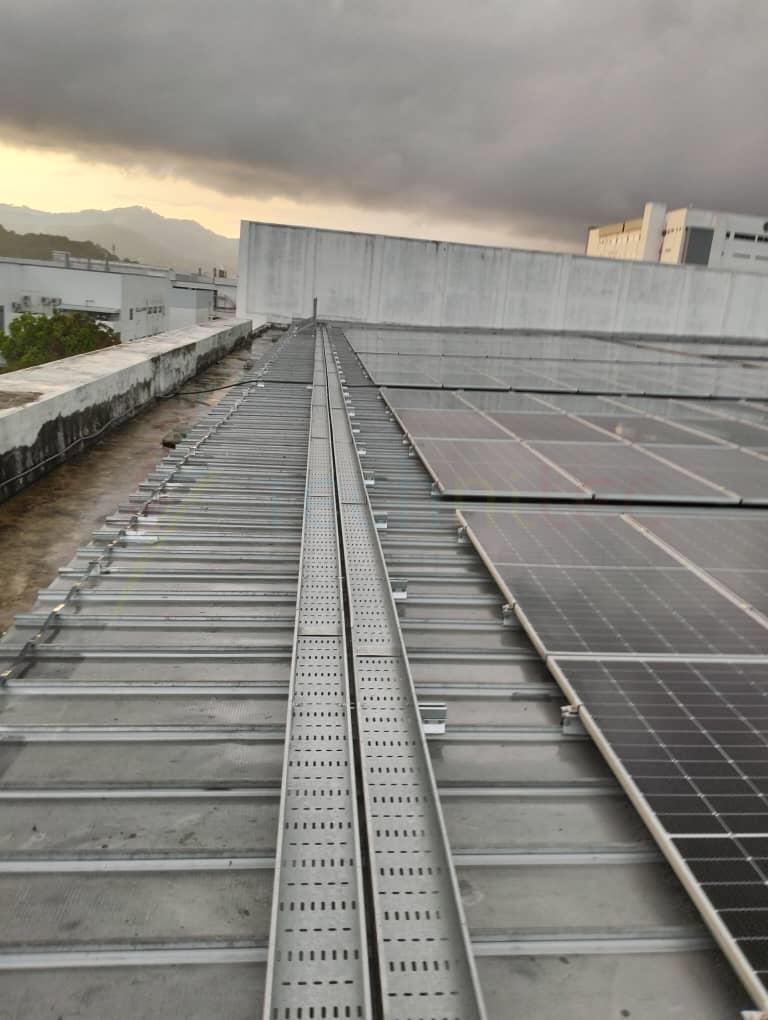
(425,963)
(317,964)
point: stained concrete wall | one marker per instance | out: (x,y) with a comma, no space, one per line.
(65,404)
(372,278)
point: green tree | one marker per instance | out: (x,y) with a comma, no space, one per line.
(35,339)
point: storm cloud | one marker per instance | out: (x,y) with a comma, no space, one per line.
(546,115)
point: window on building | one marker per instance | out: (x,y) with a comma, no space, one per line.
(698,244)
(130,314)
(744,237)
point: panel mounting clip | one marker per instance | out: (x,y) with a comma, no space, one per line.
(399,586)
(507,615)
(434,717)
(461,535)
(380,519)
(570,723)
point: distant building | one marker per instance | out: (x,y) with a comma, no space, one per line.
(686,237)
(136,301)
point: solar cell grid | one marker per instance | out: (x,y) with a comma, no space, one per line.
(449,424)
(711,797)
(714,540)
(739,471)
(563,539)
(470,380)
(546,427)
(740,433)
(653,611)
(580,404)
(620,471)
(491,467)
(425,399)
(642,429)
(750,585)
(518,402)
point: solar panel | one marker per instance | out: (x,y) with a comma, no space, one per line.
(750,585)
(642,429)
(426,399)
(726,541)
(517,402)
(739,471)
(489,467)
(634,611)
(692,741)
(579,403)
(738,432)
(563,538)
(548,427)
(622,472)
(603,608)
(464,424)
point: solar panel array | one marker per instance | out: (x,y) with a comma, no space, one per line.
(648,450)
(641,618)
(651,613)
(551,362)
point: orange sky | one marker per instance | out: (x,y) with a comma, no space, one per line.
(58,181)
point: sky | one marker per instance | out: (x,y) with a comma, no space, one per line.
(501,121)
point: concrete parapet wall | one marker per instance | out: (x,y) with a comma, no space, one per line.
(373,278)
(53,410)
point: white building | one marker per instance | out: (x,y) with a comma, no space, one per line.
(686,237)
(134,300)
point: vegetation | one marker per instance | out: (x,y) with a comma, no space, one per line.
(40,246)
(36,339)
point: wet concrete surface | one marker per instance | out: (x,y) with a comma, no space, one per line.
(42,527)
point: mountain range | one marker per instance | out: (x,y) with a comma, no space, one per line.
(133,232)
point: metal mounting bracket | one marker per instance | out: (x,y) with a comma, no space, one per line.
(434,717)
(570,723)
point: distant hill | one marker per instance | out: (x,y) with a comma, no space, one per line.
(135,233)
(41,246)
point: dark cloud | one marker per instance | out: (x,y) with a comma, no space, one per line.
(544,114)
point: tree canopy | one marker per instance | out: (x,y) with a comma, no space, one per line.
(36,339)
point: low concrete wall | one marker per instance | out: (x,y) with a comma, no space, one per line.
(61,406)
(372,278)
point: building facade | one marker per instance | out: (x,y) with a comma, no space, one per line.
(686,236)
(135,301)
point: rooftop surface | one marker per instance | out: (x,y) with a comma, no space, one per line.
(287,733)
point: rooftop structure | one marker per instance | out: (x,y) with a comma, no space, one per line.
(423,678)
(375,278)
(696,237)
(136,301)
